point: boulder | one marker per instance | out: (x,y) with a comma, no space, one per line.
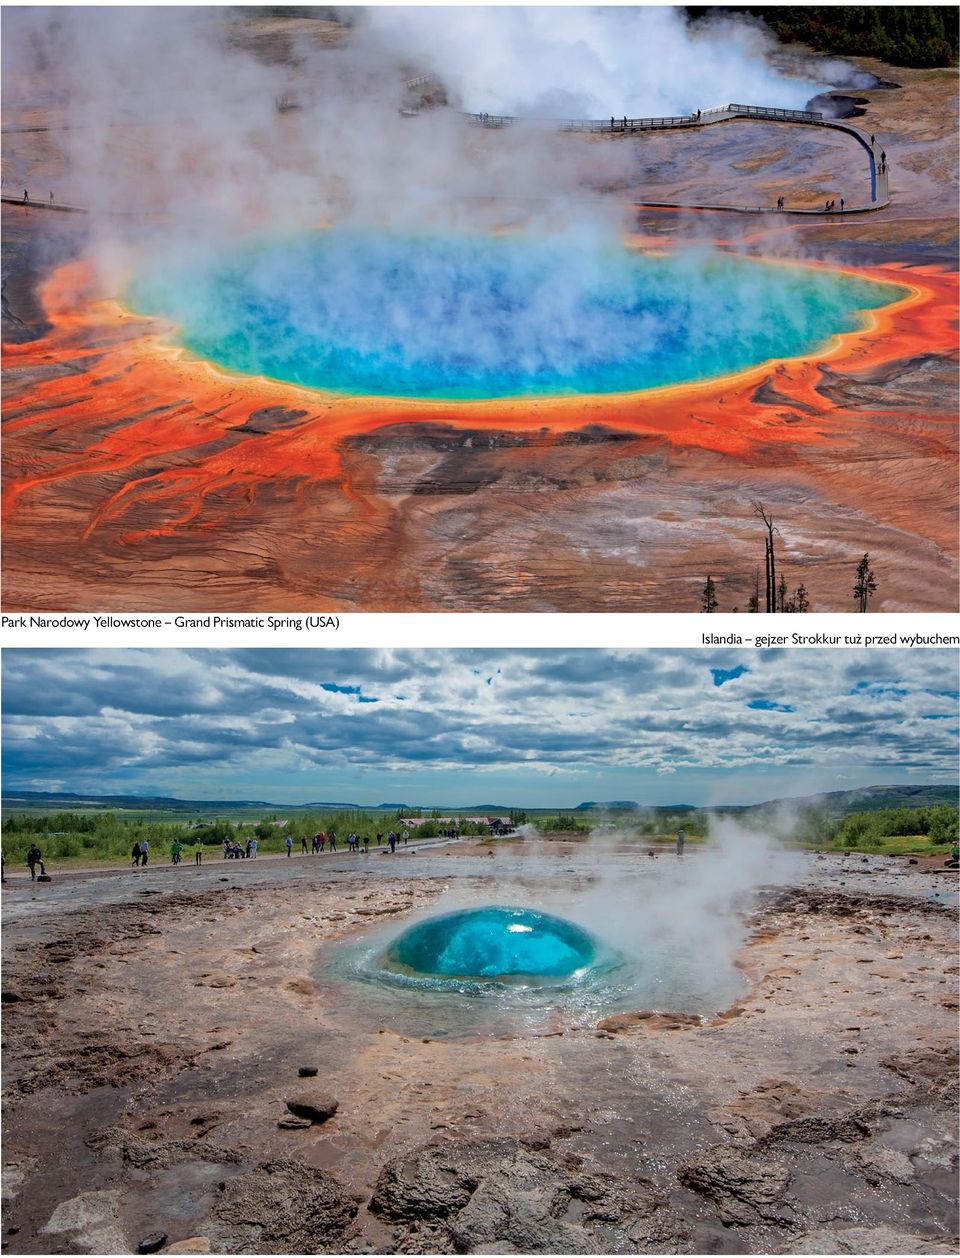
(317,1106)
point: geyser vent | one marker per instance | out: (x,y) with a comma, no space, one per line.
(495,944)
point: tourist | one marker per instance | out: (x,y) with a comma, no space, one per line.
(51,198)
(406,837)
(34,858)
(198,851)
(332,841)
(176,847)
(681,839)
(26,196)
(873,140)
(135,855)
(253,848)
(321,841)
(144,851)
(379,838)
(366,845)
(842,203)
(304,850)
(392,840)
(611,128)
(248,847)
(289,843)
(624,122)
(698,115)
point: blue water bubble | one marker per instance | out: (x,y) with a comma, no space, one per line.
(500,944)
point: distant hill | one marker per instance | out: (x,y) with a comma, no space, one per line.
(839,803)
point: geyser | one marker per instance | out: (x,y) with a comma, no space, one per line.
(468,316)
(495,944)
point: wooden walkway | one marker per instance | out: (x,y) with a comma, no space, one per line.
(878,165)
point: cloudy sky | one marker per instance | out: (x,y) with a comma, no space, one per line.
(549,728)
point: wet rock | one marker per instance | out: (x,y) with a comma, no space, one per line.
(93,1218)
(152,1243)
(496,1196)
(648,1018)
(819,1129)
(746,1189)
(283,1207)
(317,1106)
(879,1163)
(867,1240)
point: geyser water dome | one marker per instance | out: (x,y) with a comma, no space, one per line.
(468,316)
(495,944)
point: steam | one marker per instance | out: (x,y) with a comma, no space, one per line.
(589,62)
(691,910)
(165,125)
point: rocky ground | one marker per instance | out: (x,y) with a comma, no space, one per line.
(163,479)
(184,1060)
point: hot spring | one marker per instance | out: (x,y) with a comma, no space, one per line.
(468,316)
(493,944)
(502,968)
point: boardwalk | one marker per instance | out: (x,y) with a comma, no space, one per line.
(879,168)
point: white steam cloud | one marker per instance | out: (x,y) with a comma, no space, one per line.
(588,62)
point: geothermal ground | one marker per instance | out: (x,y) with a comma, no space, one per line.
(139,477)
(157,1023)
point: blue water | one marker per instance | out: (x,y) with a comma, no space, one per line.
(467,316)
(495,943)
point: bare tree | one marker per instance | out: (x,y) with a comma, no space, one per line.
(770,558)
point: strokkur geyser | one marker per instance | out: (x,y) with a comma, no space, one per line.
(493,945)
(472,316)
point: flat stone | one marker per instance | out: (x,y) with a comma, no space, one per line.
(192,1245)
(317,1106)
(152,1243)
(294,1124)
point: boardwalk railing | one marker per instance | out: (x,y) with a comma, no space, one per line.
(774,115)
(705,117)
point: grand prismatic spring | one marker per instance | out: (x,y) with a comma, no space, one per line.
(472,317)
(392,360)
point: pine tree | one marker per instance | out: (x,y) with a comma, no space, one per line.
(708,599)
(866,583)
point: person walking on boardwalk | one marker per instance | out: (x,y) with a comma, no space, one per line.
(681,839)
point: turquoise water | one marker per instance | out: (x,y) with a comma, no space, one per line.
(495,943)
(470,316)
